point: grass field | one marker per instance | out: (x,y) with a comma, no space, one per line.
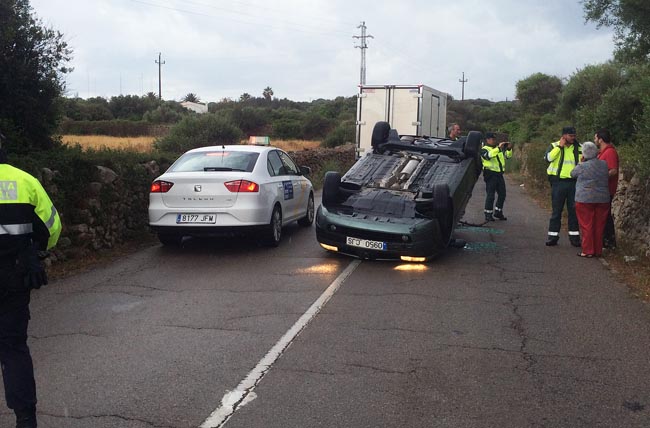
(144,144)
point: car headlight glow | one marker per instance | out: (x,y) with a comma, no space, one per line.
(329,247)
(413,259)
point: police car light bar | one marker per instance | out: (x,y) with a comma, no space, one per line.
(259,141)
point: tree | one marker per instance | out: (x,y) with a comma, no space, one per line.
(32,67)
(191,98)
(631,22)
(245,96)
(199,131)
(539,93)
(268,93)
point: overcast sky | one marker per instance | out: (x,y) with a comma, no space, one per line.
(305,50)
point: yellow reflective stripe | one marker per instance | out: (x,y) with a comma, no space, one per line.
(15,229)
(28,190)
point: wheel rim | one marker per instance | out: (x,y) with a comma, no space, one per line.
(277,225)
(310,209)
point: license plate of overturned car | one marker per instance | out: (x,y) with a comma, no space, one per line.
(366,243)
(196,218)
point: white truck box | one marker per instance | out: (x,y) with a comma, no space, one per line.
(410,109)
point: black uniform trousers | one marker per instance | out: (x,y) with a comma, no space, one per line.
(494,183)
(609,236)
(16,361)
(563,192)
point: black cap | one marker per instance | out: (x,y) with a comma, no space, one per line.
(569,130)
(489,135)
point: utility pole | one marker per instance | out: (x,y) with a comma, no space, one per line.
(462,81)
(160,63)
(363,47)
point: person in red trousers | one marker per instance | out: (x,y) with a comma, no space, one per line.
(592,199)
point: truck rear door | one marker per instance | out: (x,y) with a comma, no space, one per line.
(405,112)
(372,107)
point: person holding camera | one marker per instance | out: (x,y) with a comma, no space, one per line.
(562,156)
(494,162)
(29,227)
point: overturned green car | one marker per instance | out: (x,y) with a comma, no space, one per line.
(403,200)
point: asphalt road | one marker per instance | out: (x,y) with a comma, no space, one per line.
(502,333)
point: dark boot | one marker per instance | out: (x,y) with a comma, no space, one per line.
(575,241)
(26,418)
(488,216)
(499,214)
(551,241)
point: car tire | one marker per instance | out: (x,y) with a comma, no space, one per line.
(273,233)
(472,149)
(308,219)
(331,184)
(443,209)
(170,239)
(380,134)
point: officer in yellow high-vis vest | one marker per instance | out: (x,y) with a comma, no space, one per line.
(494,165)
(29,226)
(563,156)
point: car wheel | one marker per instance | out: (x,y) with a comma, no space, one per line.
(274,229)
(472,149)
(380,134)
(308,219)
(170,240)
(331,184)
(443,209)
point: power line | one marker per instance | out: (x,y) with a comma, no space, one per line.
(363,47)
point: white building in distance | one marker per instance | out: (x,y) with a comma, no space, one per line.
(195,107)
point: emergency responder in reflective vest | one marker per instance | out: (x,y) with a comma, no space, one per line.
(563,156)
(494,164)
(29,226)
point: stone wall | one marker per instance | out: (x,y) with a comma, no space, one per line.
(113,211)
(630,210)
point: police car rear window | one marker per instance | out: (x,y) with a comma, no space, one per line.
(216,161)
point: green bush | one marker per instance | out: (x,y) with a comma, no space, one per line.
(199,131)
(315,127)
(114,128)
(318,172)
(286,129)
(342,134)
(535,164)
(163,114)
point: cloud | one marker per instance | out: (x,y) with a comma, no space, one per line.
(305,50)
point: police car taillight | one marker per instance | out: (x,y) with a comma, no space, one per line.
(242,186)
(160,186)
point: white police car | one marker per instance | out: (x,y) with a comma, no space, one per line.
(225,190)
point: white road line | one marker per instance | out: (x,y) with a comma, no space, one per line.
(243,394)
